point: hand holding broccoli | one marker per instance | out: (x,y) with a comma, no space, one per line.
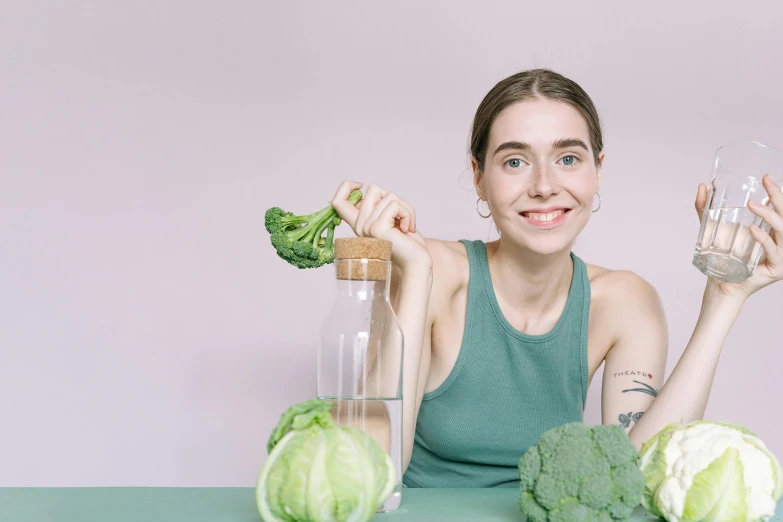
(381,214)
(308,241)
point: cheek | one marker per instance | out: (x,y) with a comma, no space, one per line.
(582,188)
(503,189)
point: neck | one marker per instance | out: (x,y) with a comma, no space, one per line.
(527,280)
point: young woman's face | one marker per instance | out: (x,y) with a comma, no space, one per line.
(539,175)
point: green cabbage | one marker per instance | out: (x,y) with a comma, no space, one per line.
(711,472)
(318,471)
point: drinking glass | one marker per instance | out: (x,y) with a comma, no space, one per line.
(724,247)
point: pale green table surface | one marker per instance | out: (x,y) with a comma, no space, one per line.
(238,505)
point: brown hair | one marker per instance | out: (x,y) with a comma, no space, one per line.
(525,85)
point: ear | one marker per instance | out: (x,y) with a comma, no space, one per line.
(598,170)
(477,177)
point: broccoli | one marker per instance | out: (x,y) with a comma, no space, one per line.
(578,473)
(299,239)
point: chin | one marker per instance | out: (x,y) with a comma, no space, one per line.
(549,248)
(544,246)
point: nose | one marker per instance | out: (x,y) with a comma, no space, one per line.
(542,183)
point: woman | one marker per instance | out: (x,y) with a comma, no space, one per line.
(503,338)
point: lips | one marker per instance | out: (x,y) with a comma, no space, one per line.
(545,217)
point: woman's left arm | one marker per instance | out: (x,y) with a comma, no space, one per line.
(683,398)
(642,332)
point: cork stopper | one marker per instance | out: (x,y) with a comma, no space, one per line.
(362,248)
(362,258)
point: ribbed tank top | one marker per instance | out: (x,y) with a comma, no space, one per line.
(505,390)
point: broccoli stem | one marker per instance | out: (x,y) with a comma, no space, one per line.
(312,218)
(354,197)
(314,221)
(329,239)
(328,224)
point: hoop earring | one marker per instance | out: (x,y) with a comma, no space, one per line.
(479,211)
(599,202)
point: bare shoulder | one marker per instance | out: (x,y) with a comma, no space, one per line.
(622,299)
(450,267)
(618,286)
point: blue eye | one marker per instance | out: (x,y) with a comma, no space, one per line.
(514,163)
(570,161)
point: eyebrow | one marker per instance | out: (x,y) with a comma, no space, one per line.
(569,142)
(513,145)
(562,143)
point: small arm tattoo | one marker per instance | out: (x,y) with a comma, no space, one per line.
(647,389)
(633,372)
(626,418)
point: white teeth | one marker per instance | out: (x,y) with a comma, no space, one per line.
(544,217)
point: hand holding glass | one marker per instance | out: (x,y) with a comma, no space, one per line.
(725,248)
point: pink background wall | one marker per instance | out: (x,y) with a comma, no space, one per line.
(141,143)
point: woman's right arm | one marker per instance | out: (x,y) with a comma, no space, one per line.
(411,303)
(381,214)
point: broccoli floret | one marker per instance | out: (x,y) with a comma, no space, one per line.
(529,468)
(299,239)
(597,492)
(570,510)
(550,490)
(580,473)
(531,508)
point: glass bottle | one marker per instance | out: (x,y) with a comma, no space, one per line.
(360,354)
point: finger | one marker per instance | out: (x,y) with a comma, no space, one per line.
(775,194)
(404,217)
(772,218)
(408,220)
(701,199)
(771,250)
(367,223)
(370,223)
(370,200)
(386,219)
(382,211)
(347,211)
(412,212)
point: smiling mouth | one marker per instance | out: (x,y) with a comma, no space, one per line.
(544,218)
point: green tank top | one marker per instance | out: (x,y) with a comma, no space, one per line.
(505,390)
